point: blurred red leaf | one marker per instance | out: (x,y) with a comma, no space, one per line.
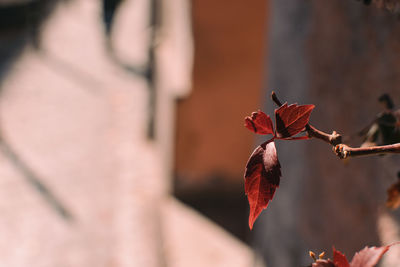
(393,196)
(259,123)
(368,257)
(323,263)
(262,176)
(339,259)
(291,120)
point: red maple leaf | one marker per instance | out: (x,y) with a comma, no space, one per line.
(339,259)
(262,176)
(259,123)
(291,120)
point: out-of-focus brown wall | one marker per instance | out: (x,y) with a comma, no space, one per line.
(229,61)
(340,56)
(353,54)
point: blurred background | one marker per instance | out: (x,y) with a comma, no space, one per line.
(122,139)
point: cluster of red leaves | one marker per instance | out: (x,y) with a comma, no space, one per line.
(263,170)
(367,257)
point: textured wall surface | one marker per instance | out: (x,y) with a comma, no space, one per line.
(340,56)
(277,236)
(353,52)
(80,182)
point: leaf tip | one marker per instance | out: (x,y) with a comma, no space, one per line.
(251,223)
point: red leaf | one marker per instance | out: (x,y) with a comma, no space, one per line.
(368,257)
(260,123)
(339,259)
(262,176)
(291,120)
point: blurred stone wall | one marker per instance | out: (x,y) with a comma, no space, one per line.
(81,184)
(72,150)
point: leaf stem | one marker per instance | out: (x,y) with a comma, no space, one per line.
(342,150)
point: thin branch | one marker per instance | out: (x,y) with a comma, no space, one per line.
(342,150)
(333,139)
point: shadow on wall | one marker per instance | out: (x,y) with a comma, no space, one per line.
(110,9)
(20,27)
